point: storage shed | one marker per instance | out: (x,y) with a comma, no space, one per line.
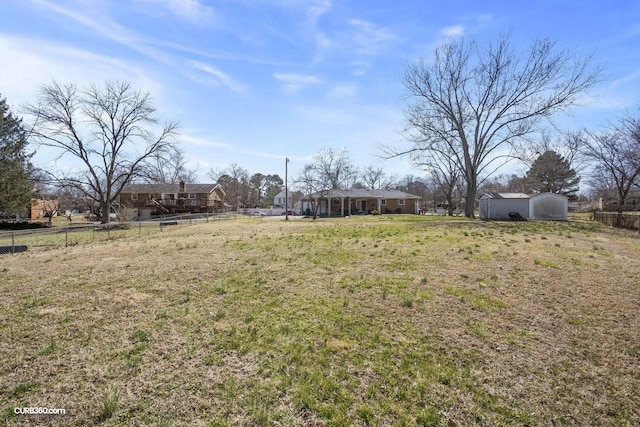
(500,205)
(548,206)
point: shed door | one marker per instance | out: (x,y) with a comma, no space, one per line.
(484,208)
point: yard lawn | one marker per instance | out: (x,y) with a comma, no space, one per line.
(389,320)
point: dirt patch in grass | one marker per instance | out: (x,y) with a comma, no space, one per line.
(360,321)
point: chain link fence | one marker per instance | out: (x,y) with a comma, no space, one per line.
(15,241)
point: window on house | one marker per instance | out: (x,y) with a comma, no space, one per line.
(401,202)
(152,196)
(336,201)
(134,196)
(383,202)
(192,196)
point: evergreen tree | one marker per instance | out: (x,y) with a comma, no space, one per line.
(15,168)
(552,173)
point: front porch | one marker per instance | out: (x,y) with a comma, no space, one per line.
(347,206)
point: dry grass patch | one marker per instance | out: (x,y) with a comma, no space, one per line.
(390,320)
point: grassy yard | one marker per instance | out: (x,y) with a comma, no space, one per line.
(390,320)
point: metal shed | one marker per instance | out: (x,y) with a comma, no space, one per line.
(549,206)
(499,205)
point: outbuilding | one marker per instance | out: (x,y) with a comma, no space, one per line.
(500,205)
(548,206)
(505,206)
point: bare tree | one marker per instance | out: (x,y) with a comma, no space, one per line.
(313,185)
(375,178)
(476,103)
(615,157)
(445,174)
(334,165)
(235,181)
(107,129)
(331,169)
(505,184)
(168,167)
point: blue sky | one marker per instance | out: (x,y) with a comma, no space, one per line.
(253,81)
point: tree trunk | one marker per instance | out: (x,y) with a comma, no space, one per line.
(105,211)
(471,199)
(450,202)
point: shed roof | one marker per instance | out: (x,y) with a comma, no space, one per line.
(495,195)
(549,195)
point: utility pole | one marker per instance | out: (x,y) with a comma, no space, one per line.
(286,189)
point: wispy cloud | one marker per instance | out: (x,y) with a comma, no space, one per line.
(105,27)
(293,83)
(202,142)
(317,9)
(188,10)
(626,79)
(31,56)
(370,38)
(220,78)
(343,91)
(280,34)
(360,68)
(453,31)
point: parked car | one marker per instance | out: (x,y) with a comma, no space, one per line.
(288,212)
(257,213)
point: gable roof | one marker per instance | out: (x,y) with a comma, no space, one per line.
(171,188)
(367,194)
(495,195)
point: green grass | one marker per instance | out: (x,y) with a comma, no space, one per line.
(386,320)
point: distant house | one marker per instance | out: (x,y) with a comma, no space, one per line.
(279,200)
(610,201)
(504,206)
(42,207)
(143,200)
(361,201)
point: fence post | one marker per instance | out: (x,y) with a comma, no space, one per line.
(13,242)
(66,237)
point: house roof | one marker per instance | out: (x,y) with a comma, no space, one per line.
(494,195)
(171,188)
(367,194)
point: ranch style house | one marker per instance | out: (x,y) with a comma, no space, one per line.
(361,201)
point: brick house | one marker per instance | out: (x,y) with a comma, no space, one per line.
(362,201)
(144,200)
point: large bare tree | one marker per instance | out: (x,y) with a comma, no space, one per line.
(476,102)
(107,129)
